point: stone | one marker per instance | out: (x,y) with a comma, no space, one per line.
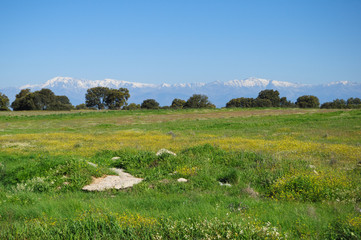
(122,181)
(163,151)
(92,164)
(182,180)
(115,158)
(225,184)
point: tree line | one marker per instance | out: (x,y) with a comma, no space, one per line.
(117,99)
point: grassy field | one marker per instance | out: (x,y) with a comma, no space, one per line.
(291,174)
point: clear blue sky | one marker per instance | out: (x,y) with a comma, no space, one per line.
(178,41)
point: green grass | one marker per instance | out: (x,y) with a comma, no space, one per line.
(268,197)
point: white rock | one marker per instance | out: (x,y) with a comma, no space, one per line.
(92,164)
(115,158)
(163,150)
(182,180)
(225,184)
(122,181)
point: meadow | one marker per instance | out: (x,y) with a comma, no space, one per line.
(252,174)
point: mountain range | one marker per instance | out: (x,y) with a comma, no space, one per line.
(218,92)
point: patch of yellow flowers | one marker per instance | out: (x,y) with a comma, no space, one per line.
(89,144)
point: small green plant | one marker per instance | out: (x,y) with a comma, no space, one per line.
(230,176)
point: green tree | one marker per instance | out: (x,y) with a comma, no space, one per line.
(116,99)
(198,101)
(103,97)
(61,103)
(178,103)
(132,106)
(354,103)
(308,101)
(18,104)
(44,99)
(335,104)
(149,104)
(81,106)
(4,102)
(95,97)
(285,103)
(260,102)
(241,103)
(272,95)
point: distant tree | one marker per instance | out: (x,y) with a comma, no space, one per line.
(308,101)
(4,102)
(335,104)
(261,102)
(103,97)
(95,97)
(18,103)
(354,103)
(132,106)
(44,99)
(81,106)
(149,104)
(178,103)
(198,101)
(61,103)
(272,95)
(241,103)
(62,99)
(285,103)
(116,99)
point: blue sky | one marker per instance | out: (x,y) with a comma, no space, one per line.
(178,41)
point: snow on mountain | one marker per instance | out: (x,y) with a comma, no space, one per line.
(218,92)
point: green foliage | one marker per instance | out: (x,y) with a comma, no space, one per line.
(314,186)
(241,103)
(354,103)
(81,106)
(344,229)
(285,103)
(95,97)
(230,176)
(149,104)
(341,104)
(259,102)
(178,103)
(106,98)
(132,106)
(43,174)
(115,99)
(266,98)
(4,102)
(44,99)
(198,101)
(308,101)
(271,95)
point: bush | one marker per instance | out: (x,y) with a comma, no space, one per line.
(307,101)
(149,104)
(230,176)
(309,186)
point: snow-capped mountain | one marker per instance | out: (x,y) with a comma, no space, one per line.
(218,92)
